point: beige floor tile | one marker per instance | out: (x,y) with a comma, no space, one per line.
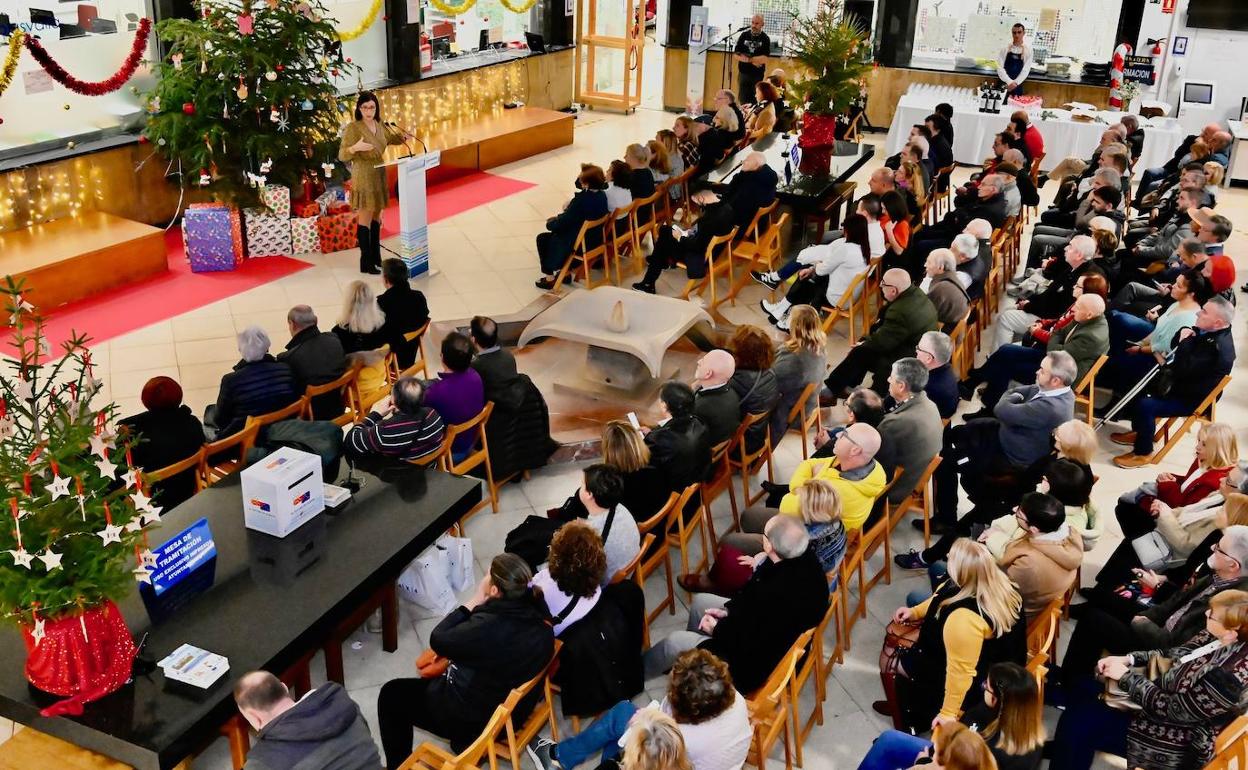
(199,398)
(491,302)
(476,281)
(220,349)
(204,376)
(514,260)
(453,260)
(448,307)
(202,328)
(437,285)
(157,333)
(270,297)
(144,357)
(272,321)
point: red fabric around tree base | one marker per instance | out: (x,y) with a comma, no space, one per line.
(83,656)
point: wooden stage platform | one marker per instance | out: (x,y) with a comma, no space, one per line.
(78,257)
(508,136)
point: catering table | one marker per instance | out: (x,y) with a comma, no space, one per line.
(1063,137)
(263,602)
(805,191)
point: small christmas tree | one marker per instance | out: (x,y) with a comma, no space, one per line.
(246,95)
(830,45)
(76,526)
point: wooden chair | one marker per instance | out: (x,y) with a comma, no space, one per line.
(419,366)
(718,257)
(430,756)
(920,499)
(939,194)
(1204,412)
(214,469)
(860,546)
(771,705)
(349,393)
(828,214)
(853,302)
(1085,391)
(680,183)
(851,135)
(1042,639)
(680,533)
(193,464)
(1231,747)
(1035,167)
(721,479)
(543,714)
(640,225)
(748,463)
(655,557)
(621,237)
(587,255)
(762,253)
(479,455)
(629,571)
(813,664)
(292,412)
(805,417)
(747,247)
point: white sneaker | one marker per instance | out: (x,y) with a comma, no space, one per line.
(783,324)
(777,309)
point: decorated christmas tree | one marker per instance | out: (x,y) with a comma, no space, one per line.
(246,95)
(830,45)
(77,514)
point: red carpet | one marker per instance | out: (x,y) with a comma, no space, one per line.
(157,299)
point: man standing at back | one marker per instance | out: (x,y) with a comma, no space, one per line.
(751,54)
(324,730)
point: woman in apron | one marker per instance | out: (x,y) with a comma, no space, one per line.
(1014,61)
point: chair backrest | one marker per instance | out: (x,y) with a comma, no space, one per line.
(630,570)
(621,223)
(192,463)
(751,419)
(1231,746)
(293,411)
(764,702)
(392,361)
(719,243)
(770,243)
(213,469)
(640,207)
(480,450)
(350,397)
(486,742)
(799,407)
(1085,385)
(1042,629)
(582,246)
(1035,174)
(760,222)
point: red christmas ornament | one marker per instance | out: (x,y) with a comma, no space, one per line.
(84,657)
(143,139)
(385,18)
(188,108)
(334,72)
(348,60)
(280,68)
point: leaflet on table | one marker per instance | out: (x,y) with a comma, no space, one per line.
(335,496)
(194,666)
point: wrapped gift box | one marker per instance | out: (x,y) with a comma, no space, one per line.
(306,209)
(236,227)
(276,198)
(339,207)
(267,235)
(337,232)
(304,237)
(208,235)
(331,196)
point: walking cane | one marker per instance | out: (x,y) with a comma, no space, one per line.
(1131,394)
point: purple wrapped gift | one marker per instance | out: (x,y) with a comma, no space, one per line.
(208,238)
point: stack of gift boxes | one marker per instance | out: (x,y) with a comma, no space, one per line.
(214,233)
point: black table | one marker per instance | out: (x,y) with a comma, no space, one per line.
(270,604)
(805,191)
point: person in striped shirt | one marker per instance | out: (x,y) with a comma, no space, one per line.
(399,426)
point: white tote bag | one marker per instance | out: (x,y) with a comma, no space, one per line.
(459,562)
(425,582)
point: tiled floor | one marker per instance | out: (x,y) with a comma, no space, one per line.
(486,263)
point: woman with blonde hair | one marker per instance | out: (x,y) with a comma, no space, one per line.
(654,742)
(624,448)
(687,132)
(361,330)
(671,146)
(801,360)
(909,176)
(660,164)
(971,622)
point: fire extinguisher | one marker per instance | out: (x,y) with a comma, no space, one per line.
(1154,56)
(426,52)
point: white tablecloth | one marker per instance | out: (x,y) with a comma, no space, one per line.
(1063,138)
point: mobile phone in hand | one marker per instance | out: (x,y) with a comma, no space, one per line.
(632,420)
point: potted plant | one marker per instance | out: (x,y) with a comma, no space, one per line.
(830,47)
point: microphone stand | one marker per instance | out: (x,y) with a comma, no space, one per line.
(726,74)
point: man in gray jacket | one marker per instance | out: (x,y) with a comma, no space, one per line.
(910,434)
(324,730)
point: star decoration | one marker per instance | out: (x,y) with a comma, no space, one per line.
(283,123)
(38,633)
(147,558)
(129,479)
(142,574)
(59,487)
(110,534)
(107,469)
(50,560)
(99,446)
(152,515)
(22,389)
(141,501)
(22,558)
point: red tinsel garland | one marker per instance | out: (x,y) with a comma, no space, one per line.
(118,80)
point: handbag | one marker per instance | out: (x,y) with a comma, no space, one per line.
(1153,551)
(899,638)
(431,665)
(1116,698)
(459,563)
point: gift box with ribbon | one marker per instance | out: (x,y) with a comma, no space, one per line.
(236,227)
(306,209)
(276,198)
(304,237)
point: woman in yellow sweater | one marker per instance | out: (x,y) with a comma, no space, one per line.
(972,622)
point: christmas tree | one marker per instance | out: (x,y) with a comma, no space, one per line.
(76,537)
(246,96)
(830,45)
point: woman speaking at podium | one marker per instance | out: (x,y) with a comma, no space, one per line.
(364,140)
(1014,61)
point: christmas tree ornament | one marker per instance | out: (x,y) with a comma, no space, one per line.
(307,105)
(147,558)
(270,76)
(130,479)
(50,560)
(152,515)
(177,61)
(246,24)
(161,141)
(23,389)
(283,124)
(327,169)
(58,488)
(38,632)
(140,500)
(188,108)
(99,445)
(208,46)
(143,574)
(242,89)
(266,166)
(21,558)
(153,106)
(274,115)
(280,67)
(110,534)
(134,525)
(204,179)
(106,469)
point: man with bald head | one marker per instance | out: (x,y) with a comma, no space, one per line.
(853,470)
(751,54)
(990,204)
(1153,176)
(1085,338)
(323,729)
(906,314)
(716,404)
(753,187)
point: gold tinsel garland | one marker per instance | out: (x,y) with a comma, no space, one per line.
(363,26)
(11,58)
(453,10)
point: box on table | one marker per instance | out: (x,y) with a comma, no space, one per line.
(267,235)
(304,237)
(282,492)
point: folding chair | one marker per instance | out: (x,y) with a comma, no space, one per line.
(960,350)
(543,714)
(1231,747)
(717,248)
(920,499)
(805,417)
(1085,391)
(940,189)
(477,456)
(814,664)
(680,533)
(771,704)
(643,220)
(852,302)
(213,470)
(587,254)
(348,393)
(720,479)
(1204,412)
(621,237)
(193,464)
(419,366)
(828,215)
(659,556)
(430,756)
(748,463)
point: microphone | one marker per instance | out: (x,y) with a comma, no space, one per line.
(408,134)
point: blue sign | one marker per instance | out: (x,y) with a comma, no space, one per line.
(181,554)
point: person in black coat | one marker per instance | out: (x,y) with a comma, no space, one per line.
(674,245)
(497,640)
(168,432)
(751,632)
(406,311)
(554,246)
(990,206)
(940,144)
(496,366)
(715,402)
(316,357)
(258,384)
(640,178)
(752,188)
(680,446)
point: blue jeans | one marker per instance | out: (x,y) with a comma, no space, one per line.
(1150,177)
(1144,421)
(603,735)
(936,574)
(892,750)
(1086,727)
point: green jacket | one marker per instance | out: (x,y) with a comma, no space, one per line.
(1085,342)
(898,329)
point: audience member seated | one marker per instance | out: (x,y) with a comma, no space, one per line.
(851,468)
(935,351)
(680,446)
(1010,441)
(716,403)
(824,272)
(1010,718)
(752,188)
(554,245)
(361,330)
(753,381)
(322,729)
(600,493)
(688,131)
(1138,344)
(967,192)
(316,357)
(674,152)
(1059,295)
(1044,561)
(895,224)
(576,568)
(940,144)
(619,197)
(801,360)
(1135,134)
(972,269)
(258,384)
(1176,716)
(909,180)
(405,309)
(1153,176)
(1033,140)
(989,205)
(1204,354)
(645,488)
(712,717)
(458,703)
(495,365)
(919,130)
(762,118)
(1007,173)
(675,245)
(726,99)
(863,406)
(820,509)
(1181,509)
(974,620)
(1085,338)
(746,631)
(640,180)
(168,432)
(458,394)
(660,163)
(1101,201)
(1028,195)
(716,143)
(906,315)
(399,427)
(943,288)
(910,433)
